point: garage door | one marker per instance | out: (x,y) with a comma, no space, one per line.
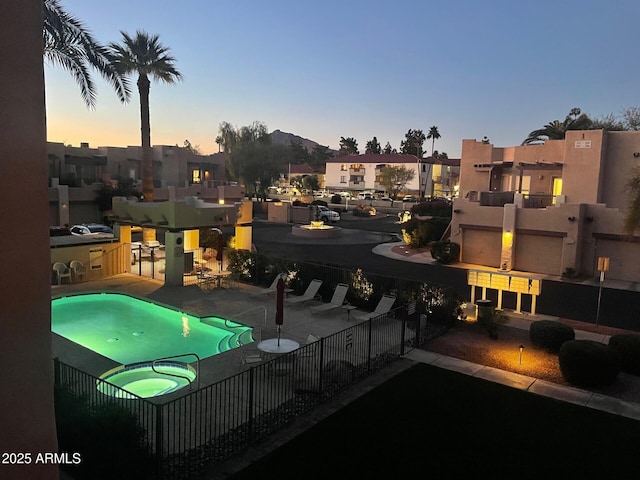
(539,254)
(481,247)
(623,255)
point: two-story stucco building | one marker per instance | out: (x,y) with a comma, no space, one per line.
(553,208)
(75,174)
(432,176)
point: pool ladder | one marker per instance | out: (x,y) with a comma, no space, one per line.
(173,357)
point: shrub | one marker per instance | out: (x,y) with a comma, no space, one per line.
(626,348)
(101,433)
(442,315)
(419,233)
(550,335)
(364,211)
(445,252)
(438,208)
(320,202)
(587,363)
(336,198)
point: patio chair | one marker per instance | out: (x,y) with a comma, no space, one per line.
(337,300)
(251,356)
(62,271)
(78,269)
(231,281)
(311,293)
(272,288)
(309,349)
(384,306)
(266,333)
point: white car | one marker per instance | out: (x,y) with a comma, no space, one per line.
(327,215)
(92,230)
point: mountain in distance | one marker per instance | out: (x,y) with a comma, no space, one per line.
(278,136)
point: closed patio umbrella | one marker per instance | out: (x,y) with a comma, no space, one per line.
(220,248)
(279,306)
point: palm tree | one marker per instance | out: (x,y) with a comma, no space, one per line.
(433,134)
(68,43)
(145,55)
(556,130)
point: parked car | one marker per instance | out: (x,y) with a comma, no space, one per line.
(59,231)
(92,230)
(385,199)
(327,215)
(409,198)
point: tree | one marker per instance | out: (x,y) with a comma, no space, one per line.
(319,156)
(412,144)
(311,183)
(227,138)
(68,43)
(437,154)
(373,146)
(631,118)
(556,130)
(195,149)
(145,56)
(433,134)
(395,178)
(299,153)
(389,149)
(348,146)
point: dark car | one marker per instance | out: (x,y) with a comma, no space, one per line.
(59,231)
(92,230)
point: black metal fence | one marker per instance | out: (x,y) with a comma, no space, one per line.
(198,430)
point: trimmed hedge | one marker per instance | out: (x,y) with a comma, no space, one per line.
(587,363)
(626,348)
(550,335)
(445,252)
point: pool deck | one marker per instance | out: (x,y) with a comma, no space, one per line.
(232,303)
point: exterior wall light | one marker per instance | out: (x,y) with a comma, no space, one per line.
(572,219)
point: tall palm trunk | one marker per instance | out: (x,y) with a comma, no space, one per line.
(148,234)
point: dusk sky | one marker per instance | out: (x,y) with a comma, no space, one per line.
(357,68)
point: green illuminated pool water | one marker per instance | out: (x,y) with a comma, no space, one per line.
(127,329)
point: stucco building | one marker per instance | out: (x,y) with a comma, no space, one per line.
(432,176)
(76,173)
(553,208)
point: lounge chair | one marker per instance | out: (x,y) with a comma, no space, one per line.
(78,269)
(384,306)
(337,300)
(309,349)
(62,271)
(311,293)
(270,289)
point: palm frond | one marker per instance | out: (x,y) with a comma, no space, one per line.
(68,43)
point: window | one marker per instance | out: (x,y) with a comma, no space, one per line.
(195,176)
(343,179)
(343,167)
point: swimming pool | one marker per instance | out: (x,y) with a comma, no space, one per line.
(128,329)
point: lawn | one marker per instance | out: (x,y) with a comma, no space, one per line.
(430,421)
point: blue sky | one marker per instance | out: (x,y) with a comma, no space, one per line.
(359,69)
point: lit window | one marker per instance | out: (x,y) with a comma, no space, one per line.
(195,176)
(343,167)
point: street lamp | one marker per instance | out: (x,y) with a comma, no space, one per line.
(603,266)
